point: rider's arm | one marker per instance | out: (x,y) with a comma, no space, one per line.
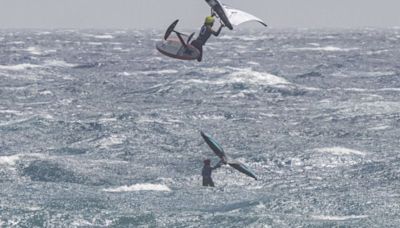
(218,165)
(215,33)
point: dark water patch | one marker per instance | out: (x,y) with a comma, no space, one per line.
(80,126)
(36,122)
(144,220)
(128,116)
(235,206)
(69,151)
(194,73)
(311,74)
(377,171)
(286,91)
(87,65)
(57,172)
(78,202)
(48,171)
(227,220)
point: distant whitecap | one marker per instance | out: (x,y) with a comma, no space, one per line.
(247,75)
(139,187)
(338,218)
(111,141)
(34,51)
(18,67)
(327,49)
(340,151)
(9,160)
(104,37)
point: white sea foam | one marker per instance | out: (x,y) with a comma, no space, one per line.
(95,43)
(329,37)
(364,74)
(58,63)
(14,112)
(125,73)
(390,89)
(160,72)
(18,67)
(338,218)
(254,38)
(340,151)
(214,70)
(379,128)
(111,141)
(107,120)
(86,223)
(139,187)
(377,52)
(369,108)
(28,66)
(253,63)
(9,160)
(34,50)
(356,89)
(43,33)
(255,77)
(207,117)
(237,75)
(104,37)
(327,49)
(27,115)
(120,32)
(240,47)
(16,42)
(242,94)
(8,123)
(46,116)
(225,37)
(46,92)
(310,88)
(33,208)
(378,73)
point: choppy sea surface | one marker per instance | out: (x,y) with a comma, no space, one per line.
(97,129)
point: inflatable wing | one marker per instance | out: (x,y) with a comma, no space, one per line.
(213,144)
(237,17)
(241,168)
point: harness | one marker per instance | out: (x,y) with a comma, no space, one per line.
(204,35)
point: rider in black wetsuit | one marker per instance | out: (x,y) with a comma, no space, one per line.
(205,32)
(206,172)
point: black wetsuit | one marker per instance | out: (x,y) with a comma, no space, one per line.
(205,33)
(206,173)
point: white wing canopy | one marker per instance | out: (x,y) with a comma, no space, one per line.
(237,17)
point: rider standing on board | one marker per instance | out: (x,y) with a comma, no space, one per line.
(207,171)
(205,32)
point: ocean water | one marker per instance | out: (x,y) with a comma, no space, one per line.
(100,130)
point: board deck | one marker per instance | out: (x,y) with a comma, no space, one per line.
(175,49)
